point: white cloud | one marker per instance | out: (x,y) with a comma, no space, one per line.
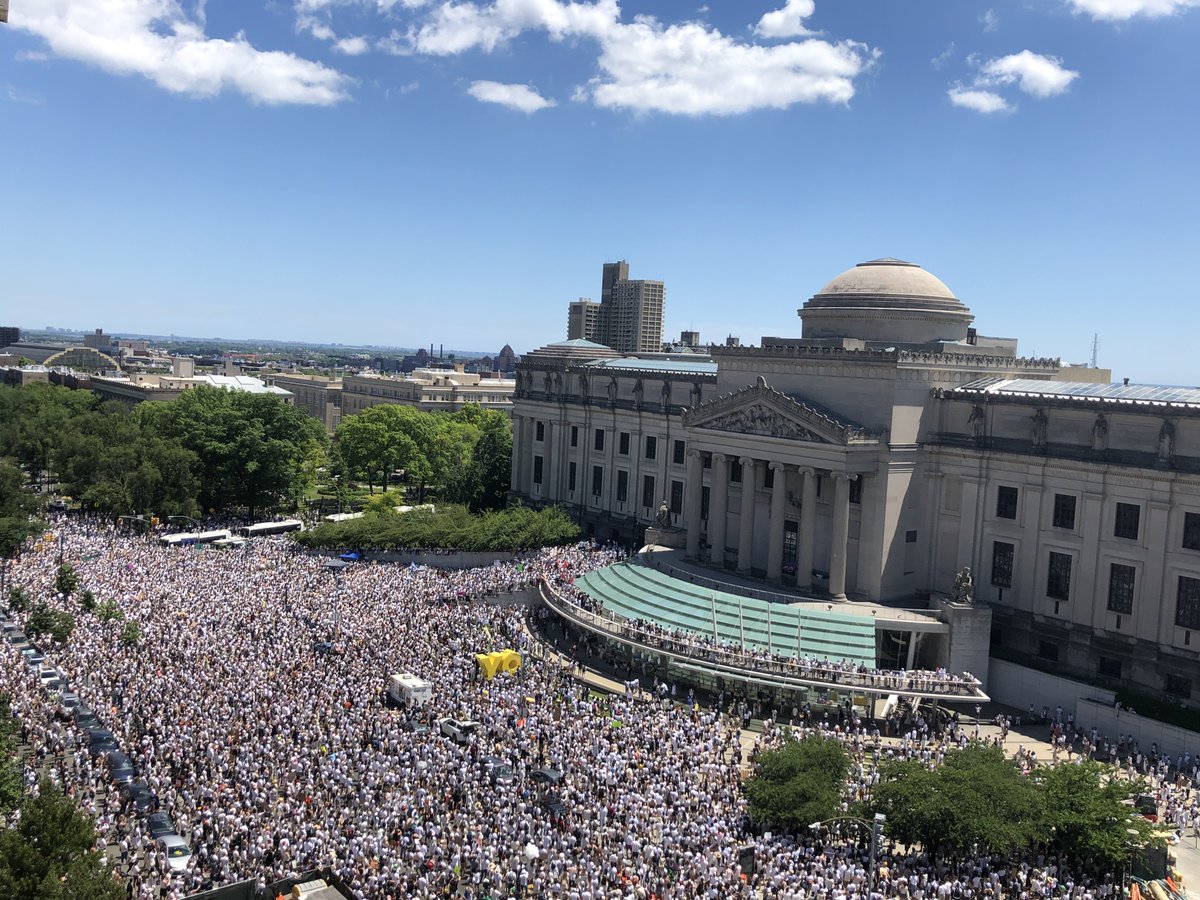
(157,39)
(944,57)
(787,21)
(989,20)
(979,100)
(520,97)
(1120,10)
(454,28)
(352,46)
(692,69)
(1037,75)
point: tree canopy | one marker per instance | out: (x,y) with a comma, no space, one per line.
(466,453)
(800,783)
(446,527)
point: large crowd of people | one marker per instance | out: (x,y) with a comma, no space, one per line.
(272,758)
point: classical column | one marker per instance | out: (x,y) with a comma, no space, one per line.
(718,503)
(691,494)
(840,535)
(808,527)
(519,453)
(778,498)
(746,525)
(549,465)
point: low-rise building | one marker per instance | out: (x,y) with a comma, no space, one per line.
(432,390)
(318,395)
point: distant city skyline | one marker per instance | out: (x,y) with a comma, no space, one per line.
(333,171)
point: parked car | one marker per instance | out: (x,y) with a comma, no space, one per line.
(68,702)
(138,794)
(33,656)
(52,679)
(84,717)
(497,770)
(100,741)
(459,732)
(160,825)
(120,767)
(176,850)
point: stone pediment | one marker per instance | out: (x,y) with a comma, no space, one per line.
(761,410)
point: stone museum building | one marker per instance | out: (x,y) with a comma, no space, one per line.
(876,455)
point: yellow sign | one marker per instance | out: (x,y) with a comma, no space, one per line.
(498,661)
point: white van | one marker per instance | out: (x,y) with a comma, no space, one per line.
(408,690)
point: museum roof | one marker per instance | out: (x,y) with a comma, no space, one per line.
(1120,394)
(680,366)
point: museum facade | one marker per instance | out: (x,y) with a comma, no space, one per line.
(878,454)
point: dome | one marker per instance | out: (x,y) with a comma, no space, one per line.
(890,277)
(887,300)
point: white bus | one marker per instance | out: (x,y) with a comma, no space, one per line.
(264,528)
(187,538)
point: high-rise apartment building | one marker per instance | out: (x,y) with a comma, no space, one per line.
(583,320)
(628,317)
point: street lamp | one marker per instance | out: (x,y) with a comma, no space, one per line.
(876,826)
(195,522)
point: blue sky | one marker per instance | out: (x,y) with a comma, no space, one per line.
(411,171)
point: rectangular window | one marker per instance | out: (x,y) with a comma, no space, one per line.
(1120,588)
(1047,650)
(1127,521)
(1191,531)
(704,503)
(1187,603)
(622,486)
(1064,511)
(540,429)
(648,491)
(768,478)
(677,497)
(735,472)
(910,551)
(1179,685)
(537,470)
(856,490)
(598,445)
(574,435)
(679,453)
(1109,667)
(651,447)
(1058,576)
(1006,502)
(597,480)
(571,477)
(1003,554)
(623,443)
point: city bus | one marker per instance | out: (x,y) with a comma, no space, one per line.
(264,528)
(187,538)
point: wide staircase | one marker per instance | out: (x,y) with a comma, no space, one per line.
(634,590)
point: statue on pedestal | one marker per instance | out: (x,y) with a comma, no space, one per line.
(964,587)
(663,519)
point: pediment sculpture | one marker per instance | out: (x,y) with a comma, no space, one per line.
(759,419)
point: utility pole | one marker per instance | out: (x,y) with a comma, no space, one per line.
(1095,349)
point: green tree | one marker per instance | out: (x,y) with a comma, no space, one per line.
(19,515)
(56,623)
(131,634)
(251,449)
(66,580)
(87,600)
(107,611)
(11,783)
(1085,813)
(976,799)
(483,482)
(19,599)
(49,853)
(800,783)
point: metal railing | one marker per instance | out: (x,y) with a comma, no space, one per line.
(760,666)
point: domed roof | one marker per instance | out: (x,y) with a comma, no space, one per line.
(886,300)
(890,277)
(576,349)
